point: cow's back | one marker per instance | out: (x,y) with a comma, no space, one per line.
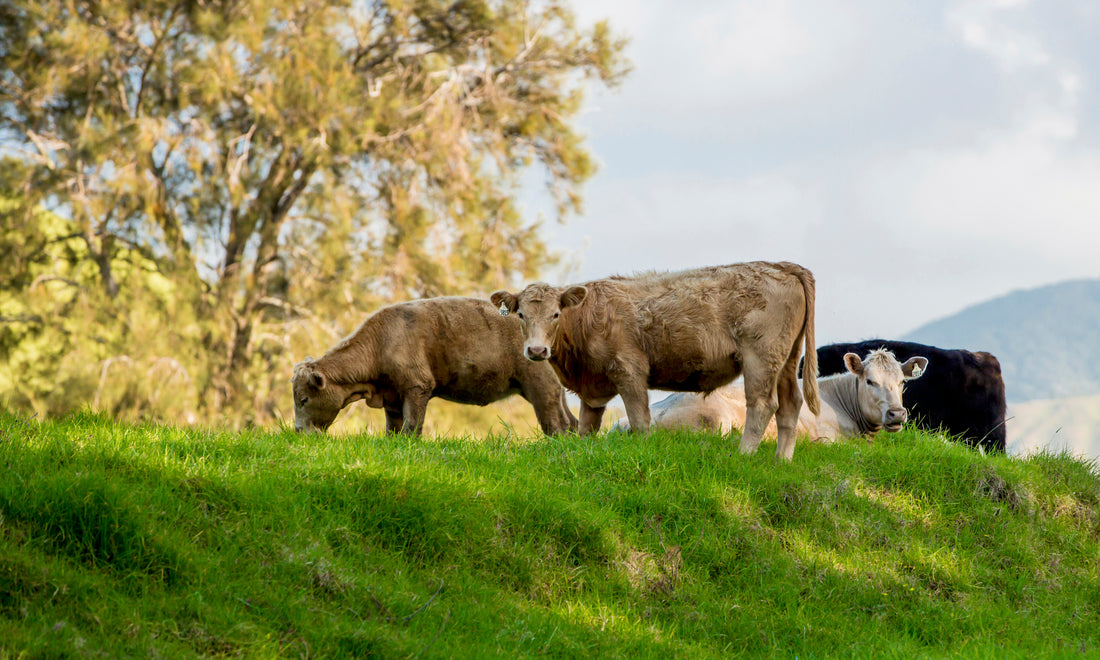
(471,352)
(689,324)
(962,391)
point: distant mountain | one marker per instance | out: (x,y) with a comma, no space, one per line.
(1070,424)
(1046,339)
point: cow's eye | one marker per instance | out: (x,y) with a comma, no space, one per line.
(520,315)
(869,383)
(557,314)
(304,400)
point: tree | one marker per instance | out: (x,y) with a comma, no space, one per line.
(279,159)
(63,342)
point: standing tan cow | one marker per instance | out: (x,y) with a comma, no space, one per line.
(459,349)
(859,402)
(691,331)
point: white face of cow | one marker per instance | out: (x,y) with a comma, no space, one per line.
(539,308)
(879,386)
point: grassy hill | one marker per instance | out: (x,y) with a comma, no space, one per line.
(1046,339)
(147,541)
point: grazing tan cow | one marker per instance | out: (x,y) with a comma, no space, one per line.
(691,331)
(459,349)
(859,402)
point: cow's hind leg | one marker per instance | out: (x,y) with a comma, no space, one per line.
(628,376)
(760,404)
(570,418)
(790,404)
(546,396)
(636,401)
(591,418)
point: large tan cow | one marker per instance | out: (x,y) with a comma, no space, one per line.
(859,402)
(691,331)
(459,349)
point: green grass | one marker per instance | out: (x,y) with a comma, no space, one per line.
(148,541)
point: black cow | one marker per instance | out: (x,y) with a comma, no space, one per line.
(962,392)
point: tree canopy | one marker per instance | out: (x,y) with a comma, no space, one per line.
(279,167)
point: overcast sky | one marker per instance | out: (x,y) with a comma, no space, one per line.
(918,157)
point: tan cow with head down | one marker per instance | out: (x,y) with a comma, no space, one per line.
(859,402)
(692,331)
(459,349)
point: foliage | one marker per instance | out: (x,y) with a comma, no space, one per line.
(62,340)
(284,165)
(155,541)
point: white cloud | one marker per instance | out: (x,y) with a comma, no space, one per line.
(696,59)
(675,222)
(940,230)
(750,41)
(918,157)
(983,26)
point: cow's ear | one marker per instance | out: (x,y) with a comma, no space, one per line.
(574,295)
(317,379)
(914,367)
(853,363)
(504,301)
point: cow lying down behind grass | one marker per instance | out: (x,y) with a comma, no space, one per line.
(964,393)
(459,349)
(859,402)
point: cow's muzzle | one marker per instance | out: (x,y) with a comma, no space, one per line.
(537,353)
(895,418)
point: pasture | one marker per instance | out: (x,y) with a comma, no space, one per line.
(124,540)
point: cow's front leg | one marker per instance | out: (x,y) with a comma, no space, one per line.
(416,405)
(394,417)
(591,417)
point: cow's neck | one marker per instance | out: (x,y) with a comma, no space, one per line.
(577,368)
(352,360)
(564,348)
(841,392)
(568,363)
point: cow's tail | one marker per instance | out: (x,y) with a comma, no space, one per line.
(809,368)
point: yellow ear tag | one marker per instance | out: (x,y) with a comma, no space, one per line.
(503,309)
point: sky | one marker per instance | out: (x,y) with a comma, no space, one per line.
(918,157)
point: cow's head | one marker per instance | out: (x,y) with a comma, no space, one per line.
(880,380)
(318,399)
(538,308)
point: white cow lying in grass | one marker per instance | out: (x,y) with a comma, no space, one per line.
(859,402)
